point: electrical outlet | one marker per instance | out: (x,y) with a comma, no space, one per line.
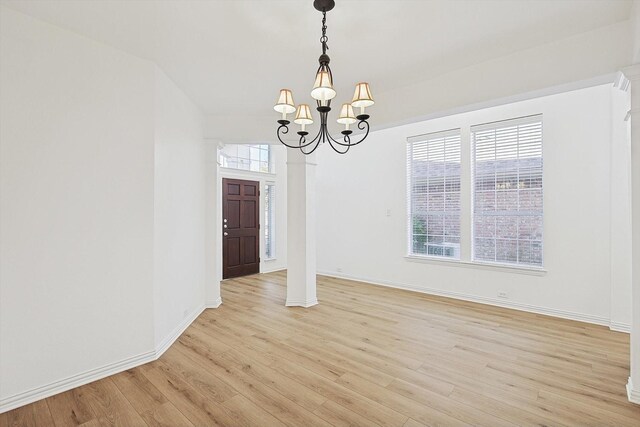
(339,269)
(184,313)
(503,295)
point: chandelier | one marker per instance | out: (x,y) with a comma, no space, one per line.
(323,93)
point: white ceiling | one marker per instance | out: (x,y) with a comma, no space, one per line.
(232,57)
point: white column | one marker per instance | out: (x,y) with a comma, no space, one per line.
(633,387)
(301,229)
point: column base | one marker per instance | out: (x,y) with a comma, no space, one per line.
(214,304)
(633,394)
(297,303)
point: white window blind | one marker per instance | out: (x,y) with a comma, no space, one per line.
(507,202)
(269,229)
(433,174)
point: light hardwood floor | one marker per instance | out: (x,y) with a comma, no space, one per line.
(365,356)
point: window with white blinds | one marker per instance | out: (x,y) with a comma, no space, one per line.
(507,198)
(269,221)
(433,174)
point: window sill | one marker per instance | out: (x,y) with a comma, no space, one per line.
(532,271)
(269,259)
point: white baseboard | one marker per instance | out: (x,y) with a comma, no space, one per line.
(620,327)
(173,336)
(632,393)
(301,303)
(214,304)
(483,300)
(273,270)
(92,375)
(74,381)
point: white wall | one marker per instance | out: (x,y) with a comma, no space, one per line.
(102,210)
(635,31)
(357,237)
(179,197)
(76,206)
(620,191)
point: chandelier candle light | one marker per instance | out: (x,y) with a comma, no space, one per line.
(323,92)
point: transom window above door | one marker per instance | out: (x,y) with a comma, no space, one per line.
(249,157)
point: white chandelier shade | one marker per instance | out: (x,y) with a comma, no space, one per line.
(346,115)
(323,87)
(285,104)
(362,96)
(303,115)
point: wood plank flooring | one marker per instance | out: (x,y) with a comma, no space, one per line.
(366,356)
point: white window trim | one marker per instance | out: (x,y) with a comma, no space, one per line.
(244,172)
(519,269)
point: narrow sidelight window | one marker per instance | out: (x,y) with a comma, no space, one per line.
(270,228)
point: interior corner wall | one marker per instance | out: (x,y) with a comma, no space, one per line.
(76,209)
(102,210)
(620,193)
(179,205)
(362,212)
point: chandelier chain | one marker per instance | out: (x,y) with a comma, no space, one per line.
(324,37)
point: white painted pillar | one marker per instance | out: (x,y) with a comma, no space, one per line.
(301,229)
(633,387)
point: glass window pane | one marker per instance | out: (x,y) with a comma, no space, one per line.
(269,222)
(434,194)
(508,198)
(255,158)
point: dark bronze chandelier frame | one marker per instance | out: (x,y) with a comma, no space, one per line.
(308,146)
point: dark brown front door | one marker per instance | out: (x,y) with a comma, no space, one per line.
(240,228)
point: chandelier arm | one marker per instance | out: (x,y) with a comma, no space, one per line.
(347,139)
(284,129)
(362,124)
(317,137)
(331,141)
(315,147)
